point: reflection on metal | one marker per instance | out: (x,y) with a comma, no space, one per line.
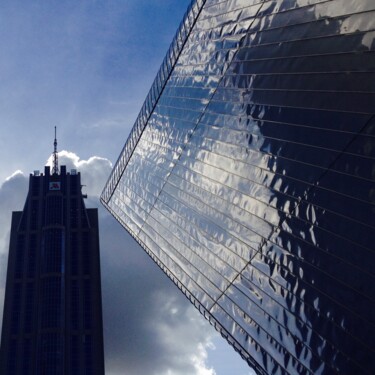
(249,178)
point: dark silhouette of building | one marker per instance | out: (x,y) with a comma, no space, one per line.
(52,322)
(249,178)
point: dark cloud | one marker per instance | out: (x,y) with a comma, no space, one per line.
(153,329)
(12,198)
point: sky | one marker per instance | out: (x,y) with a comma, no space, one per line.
(86,67)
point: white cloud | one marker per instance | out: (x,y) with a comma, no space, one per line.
(94,171)
(18,172)
(180,329)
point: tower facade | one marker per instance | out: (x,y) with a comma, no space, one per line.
(249,178)
(52,322)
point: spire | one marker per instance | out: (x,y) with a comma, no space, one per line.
(55,169)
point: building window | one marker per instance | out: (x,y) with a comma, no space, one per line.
(74,213)
(27,357)
(88,354)
(31,259)
(53,248)
(51,354)
(74,305)
(86,255)
(29,308)
(16,308)
(35,186)
(74,185)
(74,254)
(54,210)
(12,357)
(20,256)
(34,215)
(74,355)
(87,304)
(51,302)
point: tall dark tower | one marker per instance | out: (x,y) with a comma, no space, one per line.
(52,321)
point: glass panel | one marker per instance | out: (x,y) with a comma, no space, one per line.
(252,183)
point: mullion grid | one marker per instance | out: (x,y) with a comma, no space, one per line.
(127,186)
(288,272)
(176,47)
(325,253)
(329,255)
(166,228)
(204,160)
(246,131)
(281,264)
(154,232)
(286,212)
(190,258)
(149,237)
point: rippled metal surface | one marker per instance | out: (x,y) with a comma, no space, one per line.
(249,178)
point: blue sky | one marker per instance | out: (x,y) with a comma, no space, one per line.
(86,67)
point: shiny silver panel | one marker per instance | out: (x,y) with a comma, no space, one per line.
(249,178)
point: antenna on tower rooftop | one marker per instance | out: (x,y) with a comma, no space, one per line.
(55,169)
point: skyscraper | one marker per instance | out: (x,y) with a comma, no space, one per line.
(52,322)
(249,178)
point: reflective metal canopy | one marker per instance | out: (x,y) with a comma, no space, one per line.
(249,178)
